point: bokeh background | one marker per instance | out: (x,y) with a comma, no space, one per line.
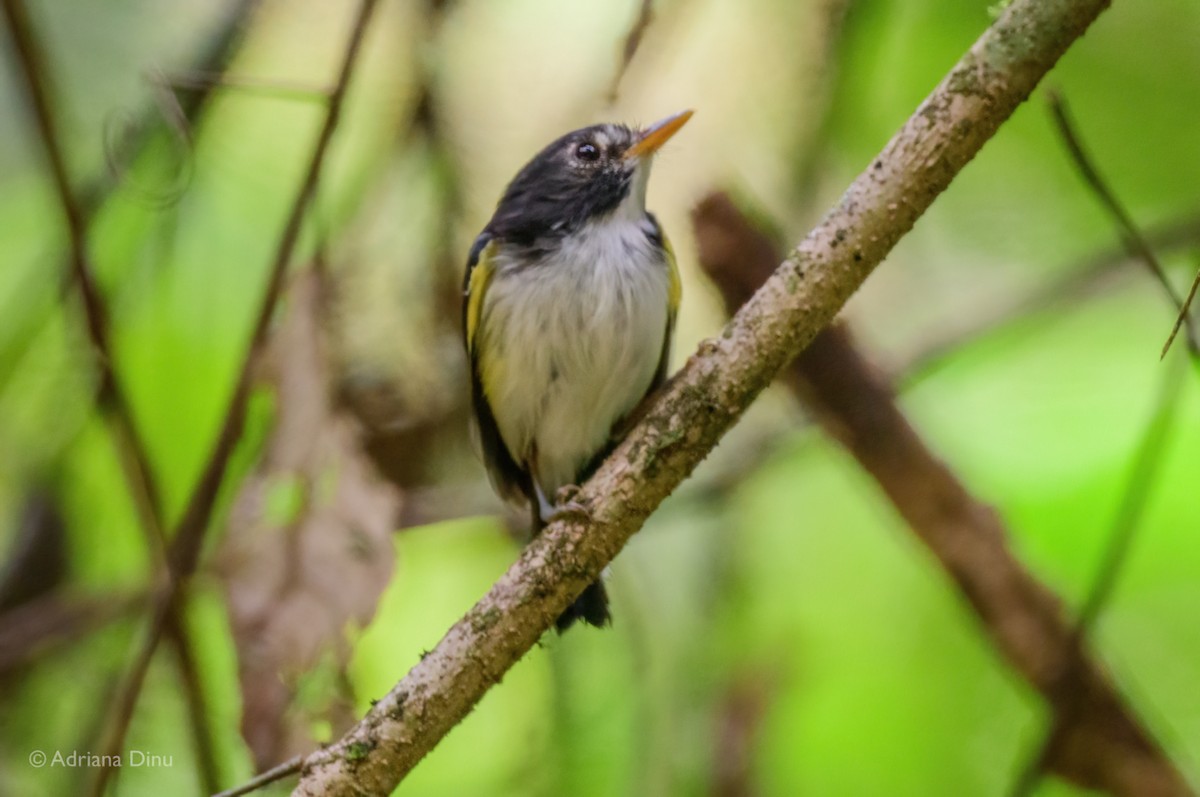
(778,630)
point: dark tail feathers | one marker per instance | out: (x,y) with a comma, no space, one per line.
(591,607)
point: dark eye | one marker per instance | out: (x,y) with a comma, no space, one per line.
(587,152)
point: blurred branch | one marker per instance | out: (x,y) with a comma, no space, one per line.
(193,693)
(401,436)
(1183,314)
(111,400)
(1081,279)
(201,81)
(427,126)
(293,581)
(740,715)
(289,767)
(189,532)
(856,406)
(1089,275)
(1071,700)
(36,561)
(1133,239)
(211,60)
(701,402)
(629,48)
(92,729)
(131,447)
(837,20)
(37,626)
(213,55)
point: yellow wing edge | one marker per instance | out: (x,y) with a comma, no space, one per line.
(477,284)
(675,283)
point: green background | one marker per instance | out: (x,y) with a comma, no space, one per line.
(778,592)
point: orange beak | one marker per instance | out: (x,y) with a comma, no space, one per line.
(654,136)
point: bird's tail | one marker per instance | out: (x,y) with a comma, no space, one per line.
(591,607)
(592,604)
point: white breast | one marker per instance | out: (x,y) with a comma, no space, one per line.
(578,338)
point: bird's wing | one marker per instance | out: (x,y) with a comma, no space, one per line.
(475,282)
(509,479)
(674,297)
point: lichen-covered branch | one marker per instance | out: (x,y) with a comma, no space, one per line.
(706,398)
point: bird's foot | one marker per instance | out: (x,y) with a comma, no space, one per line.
(566,505)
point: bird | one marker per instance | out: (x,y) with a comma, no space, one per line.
(570,296)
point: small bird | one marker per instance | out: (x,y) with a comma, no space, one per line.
(569,303)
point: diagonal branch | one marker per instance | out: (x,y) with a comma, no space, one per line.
(131,447)
(706,398)
(189,532)
(77,212)
(1073,703)
(629,47)
(1103,746)
(1183,315)
(1135,243)
(1090,275)
(208,770)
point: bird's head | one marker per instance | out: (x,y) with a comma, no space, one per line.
(587,174)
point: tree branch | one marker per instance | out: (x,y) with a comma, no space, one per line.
(1135,243)
(629,47)
(188,670)
(47,623)
(1183,315)
(189,532)
(1074,708)
(1104,745)
(289,767)
(1090,275)
(704,400)
(130,445)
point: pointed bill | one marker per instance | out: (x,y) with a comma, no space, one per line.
(657,134)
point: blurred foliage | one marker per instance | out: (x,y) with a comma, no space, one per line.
(777,602)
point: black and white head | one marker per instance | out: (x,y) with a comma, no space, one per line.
(586,175)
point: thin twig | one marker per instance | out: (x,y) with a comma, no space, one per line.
(629,48)
(740,718)
(197,80)
(213,56)
(701,402)
(1147,464)
(1183,315)
(289,767)
(1131,236)
(111,398)
(856,406)
(172,92)
(132,449)
(820,105)
(193,692)
(104,685)
(1083,278)
(189,532)
(52,621)
(427,127)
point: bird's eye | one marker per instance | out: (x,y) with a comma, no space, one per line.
(587,152)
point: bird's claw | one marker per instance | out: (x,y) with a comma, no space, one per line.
(565,505)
